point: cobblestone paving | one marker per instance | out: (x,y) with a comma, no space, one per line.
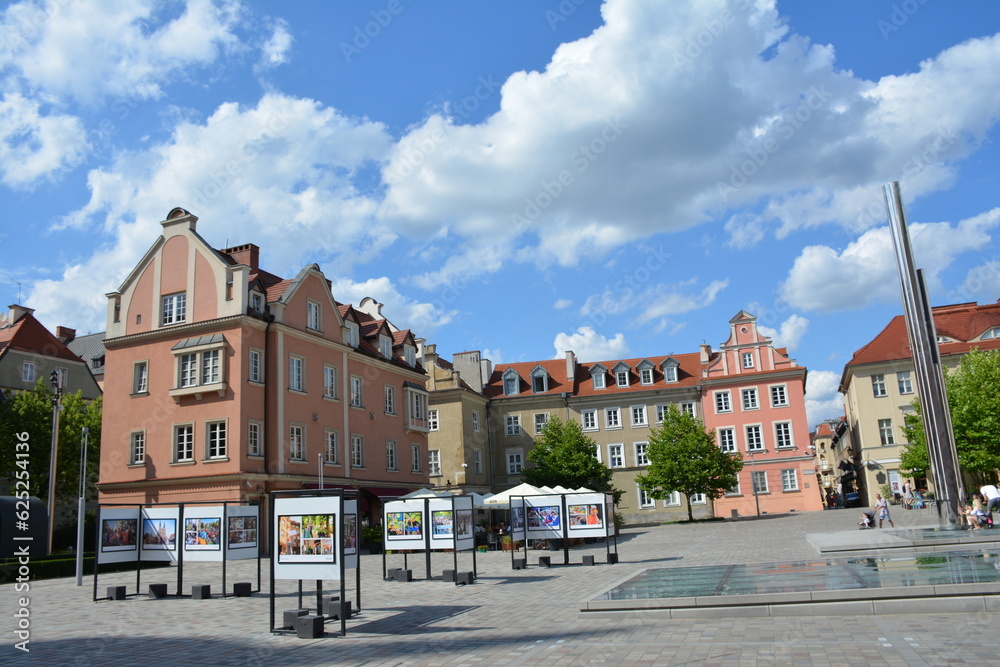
(507,617)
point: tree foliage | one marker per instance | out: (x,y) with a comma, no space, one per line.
(974,404)
(564,456)
(31,412)
(684,457)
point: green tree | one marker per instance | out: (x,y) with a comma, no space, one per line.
(974,403)
(683,457)
(31,412)
(564,456)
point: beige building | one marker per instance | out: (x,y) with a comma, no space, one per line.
(879,386)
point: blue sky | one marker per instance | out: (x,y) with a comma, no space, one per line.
(520,178)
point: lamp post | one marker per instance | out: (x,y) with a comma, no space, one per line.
(80,507)
(753,482)
(320,456)
(55,379)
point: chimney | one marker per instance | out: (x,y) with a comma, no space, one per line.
(469,365)
(248,254)
(17,312)
(65,334)
(570,366)
(704,352)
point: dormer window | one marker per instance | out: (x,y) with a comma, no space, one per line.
(385,346)
(991,334)
(645,368)
(511,383)
(352,333)
(539,380)
(670,370)
(257,301)
(598,378)
(174,308)
(410,355)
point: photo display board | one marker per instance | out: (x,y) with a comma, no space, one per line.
(309,531)
(587,515)
(158,533)
(242,531)
(543,516)
(204,531)
(451,523)
(404,524)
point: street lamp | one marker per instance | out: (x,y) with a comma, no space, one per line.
(753,482)
(80,506)
(55,379)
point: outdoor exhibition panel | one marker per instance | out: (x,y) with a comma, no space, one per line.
(563,516)
(588,515)
(242,531)
(158,536)
(451,523)
(118,541)
(429,524)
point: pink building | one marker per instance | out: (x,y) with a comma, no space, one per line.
(224,382)
(753,395)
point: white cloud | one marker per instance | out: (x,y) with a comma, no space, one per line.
(562,304)
(86,51)
(35,146)
(823,279)
(279,174)
(789,334)
(494,355)
(633,131)
(420,317)
(588,345)
(823,400)
(275,50)
(666,301)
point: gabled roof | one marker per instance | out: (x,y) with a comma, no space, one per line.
(962,322)
(90,348)
(28,335)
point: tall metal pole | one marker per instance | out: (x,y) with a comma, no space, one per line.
(320,455)
(927,364)
(80,506)
(753,482)
(56,381)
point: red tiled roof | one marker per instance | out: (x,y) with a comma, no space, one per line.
(962,322)
(275,291)
(28,335)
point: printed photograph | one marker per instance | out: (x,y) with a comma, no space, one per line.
(242,532)
(517,518)
(159,534)
(404,525)
(306,538)
(545,517)
(441,523)
(203,533)
(585,516)
(463,523)
(119,534)
(350,533)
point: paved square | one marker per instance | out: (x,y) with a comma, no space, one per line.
(507,617)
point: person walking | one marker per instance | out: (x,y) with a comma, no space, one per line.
(881,509)
(991,495)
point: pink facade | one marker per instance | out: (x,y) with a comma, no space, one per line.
(225,382)
(753,395)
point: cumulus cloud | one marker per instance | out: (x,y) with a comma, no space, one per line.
(280,172)
(789,334)
(826,280)
(562,304)
(587,344)
(275,50)
(664,302)
(421,317)
(823,400)
(671,114)
(35,146)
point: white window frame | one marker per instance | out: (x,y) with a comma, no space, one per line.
(541,419)
(187,370)
(173,308)
(646,500)
(727,438)
(357,450)
(255,437)
(779,396)
(612,418)
(661,411)
(391,462)
(904,380)
(477,458)
(789,480)
(749,399)
(698,499)
(434,462)
(296,373)
(140,377)
(673,499)
(330,382)
(748,361)
(353,333)
(670,374)
(750,437)
(432,419)
(511,383)
(783,438)
(385,346)
(758,481)
(186,454)
(616,455)
(416,458)
(539,381)
(723,402)
(255,366)
(410,355)
(216,440)
(513,423)
(639,416)
(137,448)
(390,399)
(621,378)
(886,434)
(257,301)
(878,385)
(690,408)
(211,366)
(475,421)
(28,371)
(357,392)
(331,449)
(515,461)
(598,380)
(641,451)
(314,317)
(588,420)
(646,376)
(296,442)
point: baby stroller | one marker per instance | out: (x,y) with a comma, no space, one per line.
(867,520)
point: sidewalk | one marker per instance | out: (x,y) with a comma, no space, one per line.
(509,617)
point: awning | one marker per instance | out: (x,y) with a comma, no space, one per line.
(385,493)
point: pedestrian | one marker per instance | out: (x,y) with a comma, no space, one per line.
(992,496)
(907,495)
(882,510)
